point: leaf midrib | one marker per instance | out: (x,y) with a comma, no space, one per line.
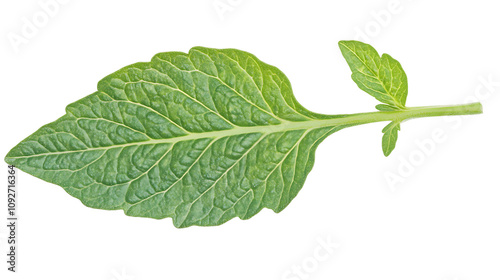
(283,127)
(333,120)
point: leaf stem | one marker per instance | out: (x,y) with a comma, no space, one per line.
(414,112)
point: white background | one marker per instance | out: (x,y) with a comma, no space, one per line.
(442,222)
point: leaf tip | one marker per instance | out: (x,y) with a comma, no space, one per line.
(9,159)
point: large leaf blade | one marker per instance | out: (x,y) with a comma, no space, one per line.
(201,137)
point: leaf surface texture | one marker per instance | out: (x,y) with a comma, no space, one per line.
(201,137)
(381,77)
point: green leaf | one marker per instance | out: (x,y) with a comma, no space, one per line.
(381,77)
(200,137)
(390,137)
